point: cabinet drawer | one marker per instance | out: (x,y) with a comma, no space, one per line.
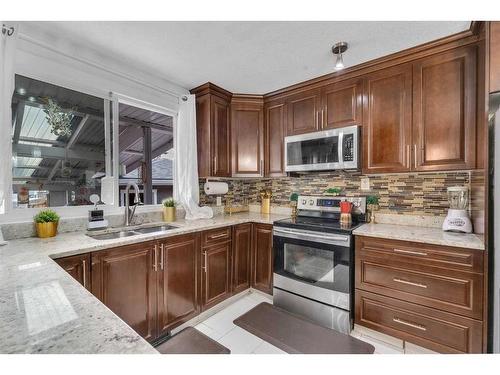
(418,254)
(449,290)
(214,236)
(433,329)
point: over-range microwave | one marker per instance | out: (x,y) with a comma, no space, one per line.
(323,150)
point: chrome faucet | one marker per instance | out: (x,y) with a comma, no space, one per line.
(129,212)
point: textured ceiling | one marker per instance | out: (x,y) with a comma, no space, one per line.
(245,57)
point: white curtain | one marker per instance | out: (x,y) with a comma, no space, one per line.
(186,162)
(7,52)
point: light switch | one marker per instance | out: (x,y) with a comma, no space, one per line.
(219,201)
(365,183)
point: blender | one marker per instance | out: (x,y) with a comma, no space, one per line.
(457,219)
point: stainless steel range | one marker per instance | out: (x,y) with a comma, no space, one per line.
(313,261)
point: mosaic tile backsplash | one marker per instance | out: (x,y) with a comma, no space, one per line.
(409,194)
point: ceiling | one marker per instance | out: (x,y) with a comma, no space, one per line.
(246,57)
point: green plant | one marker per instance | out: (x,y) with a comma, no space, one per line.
(294,197)
(372,200)
(46,216)
(334,190)
(169,202)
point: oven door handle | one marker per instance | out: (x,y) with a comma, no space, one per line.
(304,235)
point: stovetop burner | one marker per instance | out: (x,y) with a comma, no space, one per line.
(318,224)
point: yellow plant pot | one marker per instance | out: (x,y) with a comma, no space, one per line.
(45,230)
(168,214)
(265,206)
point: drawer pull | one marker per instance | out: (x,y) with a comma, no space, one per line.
(410,252)
(215,236)
(409,283)
(413,325)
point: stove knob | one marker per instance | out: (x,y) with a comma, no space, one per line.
(311,202)
(304,201)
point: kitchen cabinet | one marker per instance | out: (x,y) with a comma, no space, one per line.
(247,133)
(125,280)
(444,111)
(303,112)
(215,268)
(213,130)
(78,266)
(178,281)
(342,104)
(275,129)
(387,115)
(262,258)
(242,252)
(494,63)
(429,295)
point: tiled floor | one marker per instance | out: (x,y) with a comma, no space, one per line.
(220,327)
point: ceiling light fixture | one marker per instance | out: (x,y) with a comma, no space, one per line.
(21,91)
(338,49)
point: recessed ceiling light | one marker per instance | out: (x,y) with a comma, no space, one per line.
(338,49)
(32,99)
(21,91)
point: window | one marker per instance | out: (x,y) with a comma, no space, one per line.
(58,147)
(146,153)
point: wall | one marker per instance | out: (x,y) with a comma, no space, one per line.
(410,194)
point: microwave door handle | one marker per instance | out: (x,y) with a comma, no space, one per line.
(341,149)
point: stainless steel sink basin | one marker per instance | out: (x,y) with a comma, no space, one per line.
(158,228)
(113,235)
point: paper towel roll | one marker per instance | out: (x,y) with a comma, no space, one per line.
(215,188)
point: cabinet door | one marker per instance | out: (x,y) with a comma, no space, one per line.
(494,39)
(221,138)
(387,120)
(262,258)
(124,279)
(78,267)
(342,104)
(178,281)
(247,133)
(303,112)
(444,108)
(216,274)
(242,246)
(274,160)
(203,136)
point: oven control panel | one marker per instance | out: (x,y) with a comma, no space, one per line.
(330,204)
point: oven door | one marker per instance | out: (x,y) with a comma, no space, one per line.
(314,265)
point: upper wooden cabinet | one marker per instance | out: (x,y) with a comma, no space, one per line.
(444,111)
(213,130)
(342,104)
(275,129)
(78,266)
(247,133)
(178,281)
(494,63)
(387,120)
(303,111)
(125,280)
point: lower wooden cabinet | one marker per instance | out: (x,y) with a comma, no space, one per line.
(125,280)
(178,281)
(77,266)
(215,274)
(428,295)
(242,252)
(262,258)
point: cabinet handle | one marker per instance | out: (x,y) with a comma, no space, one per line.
(84,265)
(162,249)
(317,120)
(415,154)
(215,164)
(409,283)
(413,325)
(322,119)
(204,267)
(155,259)
(410,252)
(408,157)
(215,236)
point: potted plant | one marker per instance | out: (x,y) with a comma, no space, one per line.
(46,222)
(372,203)
(169,209)
(293,203)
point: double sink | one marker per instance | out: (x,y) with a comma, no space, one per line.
(130,232)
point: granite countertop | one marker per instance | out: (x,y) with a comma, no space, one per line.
(434,236)
(44,310)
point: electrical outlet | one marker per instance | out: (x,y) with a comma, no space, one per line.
(365,183)
(219,201)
